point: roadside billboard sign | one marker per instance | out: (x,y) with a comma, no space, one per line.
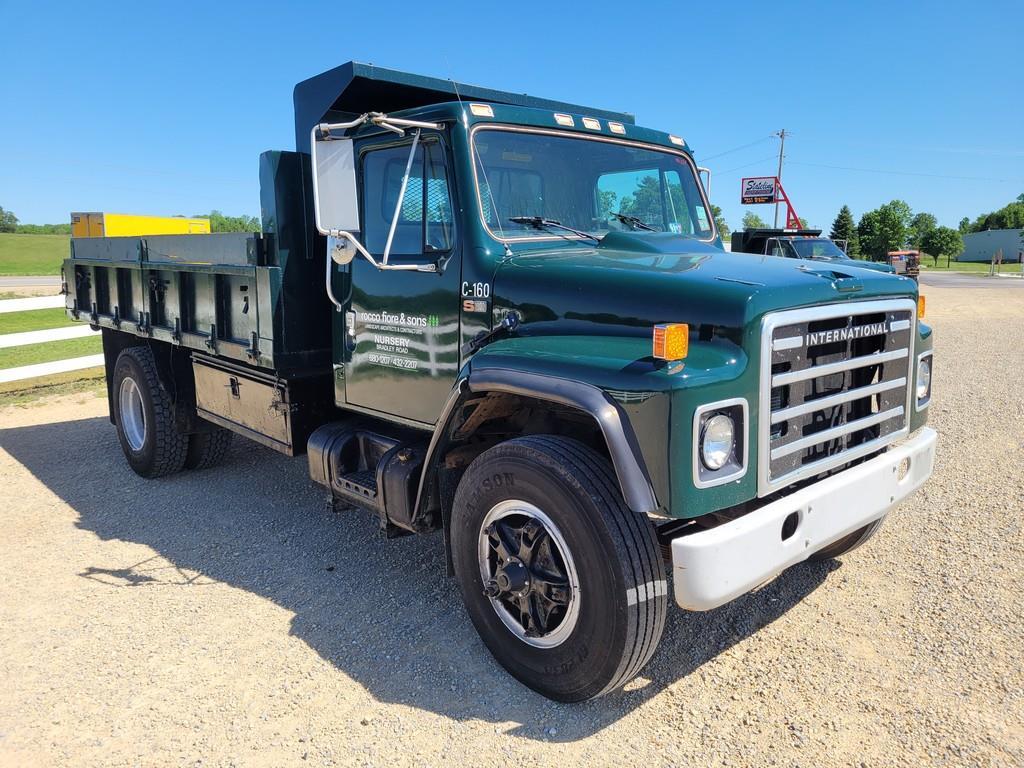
(757,190)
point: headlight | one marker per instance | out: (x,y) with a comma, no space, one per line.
(716,441)
(924,378)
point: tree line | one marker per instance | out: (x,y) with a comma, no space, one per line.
(1010,216)
(219,222)
(895,227)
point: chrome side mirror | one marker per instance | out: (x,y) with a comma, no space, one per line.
(705,175)
(335,201)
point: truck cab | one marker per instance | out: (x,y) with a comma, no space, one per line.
(511,321)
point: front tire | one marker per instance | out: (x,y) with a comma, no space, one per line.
(563,582)
(848,543)
(144,416)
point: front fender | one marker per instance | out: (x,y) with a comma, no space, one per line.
(615,426)
(637,401)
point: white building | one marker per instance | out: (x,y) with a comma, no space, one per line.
(979,246)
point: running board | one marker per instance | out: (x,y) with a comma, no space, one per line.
(370,470)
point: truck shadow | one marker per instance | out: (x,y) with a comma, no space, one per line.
(382,612)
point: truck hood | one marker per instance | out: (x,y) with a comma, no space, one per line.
(630,282)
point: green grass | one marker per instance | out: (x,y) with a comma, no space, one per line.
(32,254)
(971,267)
(14,357)
(33,320)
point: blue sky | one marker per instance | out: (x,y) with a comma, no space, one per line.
(164,108)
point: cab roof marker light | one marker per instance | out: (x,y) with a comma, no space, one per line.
(617,128)
(563,119)
(481,110)
(677,140)
(592,123)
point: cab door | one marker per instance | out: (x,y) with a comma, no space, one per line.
(400,348)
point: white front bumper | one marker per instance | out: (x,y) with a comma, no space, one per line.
(715,566)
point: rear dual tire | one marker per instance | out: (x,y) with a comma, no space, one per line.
(208,449)
(563,582)
(144,417)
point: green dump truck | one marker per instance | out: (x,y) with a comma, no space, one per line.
(511,321)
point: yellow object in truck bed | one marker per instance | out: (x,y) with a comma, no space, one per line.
(129,225)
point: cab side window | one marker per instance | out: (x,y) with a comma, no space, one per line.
(425,219)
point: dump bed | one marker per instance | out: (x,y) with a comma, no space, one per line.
(255,298)
(754,240)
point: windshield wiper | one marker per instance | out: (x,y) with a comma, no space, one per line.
(633,222)
(539,222)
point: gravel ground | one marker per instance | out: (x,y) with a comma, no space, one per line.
(230,618)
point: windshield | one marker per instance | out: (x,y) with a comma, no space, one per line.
(816,248)
(591,185)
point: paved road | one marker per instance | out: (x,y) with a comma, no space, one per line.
(28,281)
(960,280)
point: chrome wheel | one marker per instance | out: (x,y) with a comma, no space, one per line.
(131,413)
(528,573)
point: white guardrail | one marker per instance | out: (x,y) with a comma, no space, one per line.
(36,302)
(41,337)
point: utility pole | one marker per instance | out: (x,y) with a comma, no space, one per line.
(782,146)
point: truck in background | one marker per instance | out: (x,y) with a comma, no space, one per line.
(799,244)
(511,321)
(905,262)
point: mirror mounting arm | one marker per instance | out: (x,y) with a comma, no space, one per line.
(707,184)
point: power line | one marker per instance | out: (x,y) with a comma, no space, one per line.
(908,173)
(735,149)
(747,165)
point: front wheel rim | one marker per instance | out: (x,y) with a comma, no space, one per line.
(132,414)
(528,573)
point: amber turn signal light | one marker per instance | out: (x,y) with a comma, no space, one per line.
(671,341)
(920,306)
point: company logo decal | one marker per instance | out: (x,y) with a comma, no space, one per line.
(846,334)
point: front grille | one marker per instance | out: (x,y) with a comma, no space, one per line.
(834,387)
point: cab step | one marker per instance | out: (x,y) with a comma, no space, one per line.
(375,471)
(362,483)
